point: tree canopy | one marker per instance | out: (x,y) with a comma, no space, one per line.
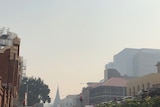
(37,91)
(147,102)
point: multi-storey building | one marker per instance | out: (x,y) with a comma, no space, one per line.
(144,83)
(96,93)
(135,62)
(109,73)
(10,66)
(1,92)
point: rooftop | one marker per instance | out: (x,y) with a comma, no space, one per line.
(115,81)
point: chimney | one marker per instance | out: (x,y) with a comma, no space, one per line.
(158,67)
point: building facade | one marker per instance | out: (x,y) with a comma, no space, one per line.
(1,92)
(135,62)
(10,67)
(109,73)
(70,101)
(114,87)
(144,83)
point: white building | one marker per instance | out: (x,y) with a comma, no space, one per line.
(69,101)
(135,62)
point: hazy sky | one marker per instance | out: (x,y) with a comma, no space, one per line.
(68,42)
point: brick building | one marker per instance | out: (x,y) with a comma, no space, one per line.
(10,68)
(1,92)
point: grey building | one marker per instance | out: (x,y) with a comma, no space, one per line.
(71,101)
(135,62)
(57,100)
(109,73)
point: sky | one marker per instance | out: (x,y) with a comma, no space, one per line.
(68,42)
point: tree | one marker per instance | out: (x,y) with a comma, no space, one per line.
(36,89)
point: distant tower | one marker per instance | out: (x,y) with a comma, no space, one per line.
(57,99)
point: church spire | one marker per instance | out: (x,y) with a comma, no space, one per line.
(57,99)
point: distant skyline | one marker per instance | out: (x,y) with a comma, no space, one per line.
(68,42)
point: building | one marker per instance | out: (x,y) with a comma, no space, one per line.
(86,91)
(70,101)
(10,67)
(1,92)
(109,73)
(145,82)
(57,100)
(135,62)
(112,89)
(96,93)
